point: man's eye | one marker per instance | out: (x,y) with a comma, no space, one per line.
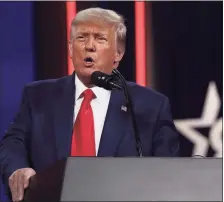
(80,37)
(102,38)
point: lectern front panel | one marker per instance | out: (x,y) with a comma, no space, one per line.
(142,179)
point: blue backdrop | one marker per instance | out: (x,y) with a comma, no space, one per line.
(16,59)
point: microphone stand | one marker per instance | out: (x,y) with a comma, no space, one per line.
(130,109)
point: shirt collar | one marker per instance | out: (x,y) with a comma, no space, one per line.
(100,93)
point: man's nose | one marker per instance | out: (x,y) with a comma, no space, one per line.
(90,45)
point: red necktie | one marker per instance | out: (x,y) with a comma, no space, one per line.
(83,137)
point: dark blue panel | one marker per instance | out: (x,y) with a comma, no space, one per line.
(16,61)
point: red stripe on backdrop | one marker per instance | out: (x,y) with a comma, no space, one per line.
(70,14)
(140,43)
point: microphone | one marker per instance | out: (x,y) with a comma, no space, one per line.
(130,109)
(104,81)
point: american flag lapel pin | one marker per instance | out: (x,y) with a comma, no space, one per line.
(123,108)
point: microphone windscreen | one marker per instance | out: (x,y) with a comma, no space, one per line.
(101,79)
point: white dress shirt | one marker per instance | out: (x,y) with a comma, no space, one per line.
(99,107)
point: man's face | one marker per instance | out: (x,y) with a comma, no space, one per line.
(93,48)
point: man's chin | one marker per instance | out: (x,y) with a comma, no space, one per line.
(85,75)
(88,72)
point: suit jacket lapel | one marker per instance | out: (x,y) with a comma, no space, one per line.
(114,125)
(63,111)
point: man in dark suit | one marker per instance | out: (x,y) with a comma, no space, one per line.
(71,117)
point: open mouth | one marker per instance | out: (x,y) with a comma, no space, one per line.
(88,61)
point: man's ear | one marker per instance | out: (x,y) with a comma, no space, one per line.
(118,56)
(70,51)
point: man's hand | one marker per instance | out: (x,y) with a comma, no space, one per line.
(19,181)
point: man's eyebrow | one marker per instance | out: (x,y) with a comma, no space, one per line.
(82,32)
(95,33)
(102,33)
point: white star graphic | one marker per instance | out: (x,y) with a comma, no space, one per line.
(208,119)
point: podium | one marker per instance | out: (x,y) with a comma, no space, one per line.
(128,179)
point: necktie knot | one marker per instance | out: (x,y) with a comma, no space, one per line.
(88,95)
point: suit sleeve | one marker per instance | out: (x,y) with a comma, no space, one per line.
(166,138)
(13,146)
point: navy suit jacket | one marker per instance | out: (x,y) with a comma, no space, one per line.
(41,132)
